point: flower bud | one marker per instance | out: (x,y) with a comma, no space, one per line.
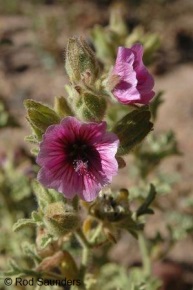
(132,129)
(60,219)
(81,64)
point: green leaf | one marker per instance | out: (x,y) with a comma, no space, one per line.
(30,250)
(36,216)
(40,116)
(31,139)
(132,129)
(62,107)
(23,223)
(144,208)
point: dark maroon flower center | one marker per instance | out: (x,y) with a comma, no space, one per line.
(80,154)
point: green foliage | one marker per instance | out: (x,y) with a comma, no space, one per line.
(179,225)
(23,223)
(144,208)
(91,107)
(154,150)
(113,276)
(59,228)
(107,39)
(132,129)
(40,116)
(62,107)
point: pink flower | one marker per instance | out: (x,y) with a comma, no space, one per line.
(135,83)
(77,158)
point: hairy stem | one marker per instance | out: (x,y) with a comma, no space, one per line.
(86,246)
(145,255)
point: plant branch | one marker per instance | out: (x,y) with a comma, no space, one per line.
(145,255)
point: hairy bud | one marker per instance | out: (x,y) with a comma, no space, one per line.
(81,64)
(60,219)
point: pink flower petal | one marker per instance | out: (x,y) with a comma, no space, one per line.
(135,82)
(77,158)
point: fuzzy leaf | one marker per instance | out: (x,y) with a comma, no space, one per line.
(132,129)
(36,216)
(40,116)
(23,223)
(31,139)
(62,107)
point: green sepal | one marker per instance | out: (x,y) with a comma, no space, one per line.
(36,132)
(62,107)
(60,218)
(40,116)
(91,107)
